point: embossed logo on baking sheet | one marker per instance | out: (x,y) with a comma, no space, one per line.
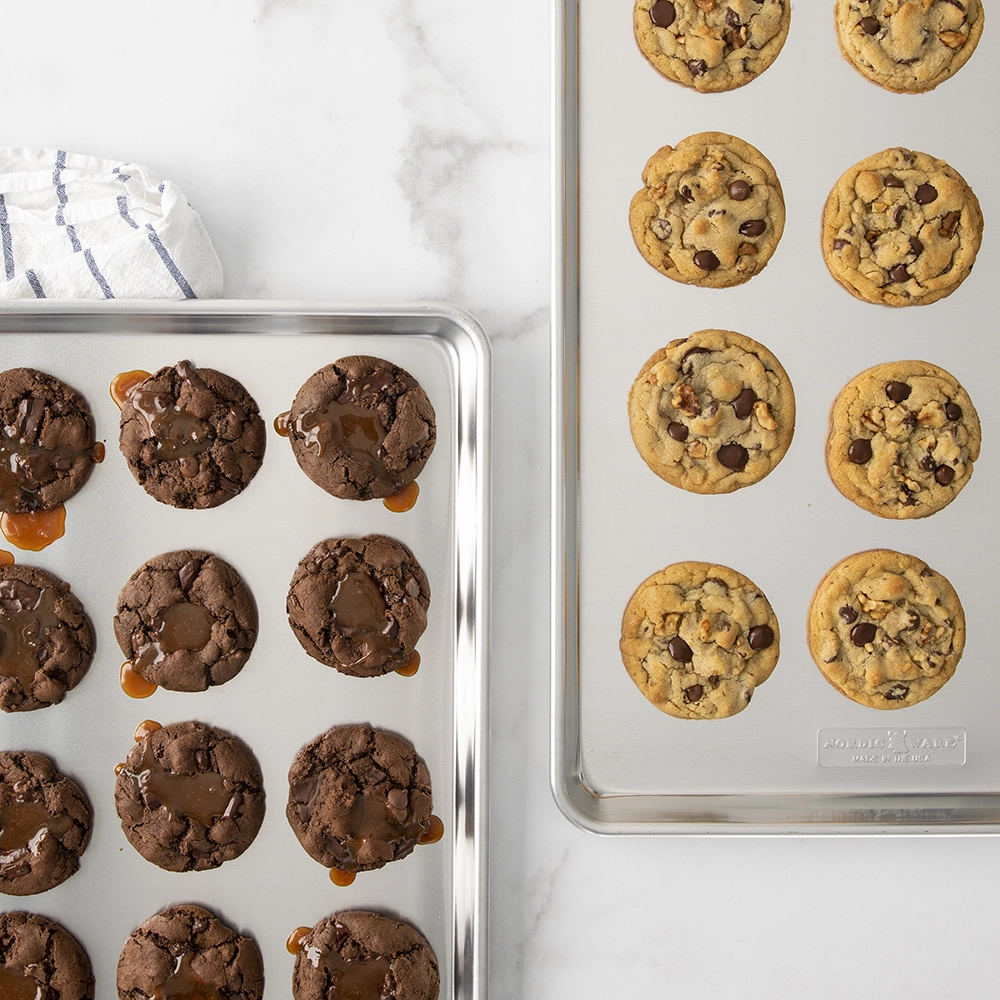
(891,747)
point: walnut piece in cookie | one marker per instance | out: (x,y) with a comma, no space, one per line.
(711,45)
(710,211)
(357,953)
(885,629)
(901,228)
(40,958)
(908,46)
(712,412)
(697,639)
(186,951)
(903,439)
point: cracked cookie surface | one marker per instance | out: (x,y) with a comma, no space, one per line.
(361,428)
(901,228)
(358,953)
(186,621)
(908,46)
(903,439)
(885,629)
(710,211)
(40,958)
(713,412)
(697,639)
(358,798)
(186,951)
(711,45)
(190,797)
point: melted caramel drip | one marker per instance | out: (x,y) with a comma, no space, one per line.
(6,558)
(177,432)
(35,530)
(98,453)
(144,729)
(433,833)
(360,979)
(296,938)
(133,683)
(184,984)
(24,823)
(181,626)
(360,613)
(411,666)
(281,424)
(123,383)
(19,986)
(404,500)
(342,878)
(27,616)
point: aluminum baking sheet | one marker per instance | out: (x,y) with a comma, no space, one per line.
(786,764)
(282,698)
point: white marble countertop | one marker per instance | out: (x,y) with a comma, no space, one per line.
(397,151)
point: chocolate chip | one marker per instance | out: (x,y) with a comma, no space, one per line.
(872,235)
(706,260)
(662,13)
(897,391)
(870,25)
(916,247)
(677,431)
(899,274)
(732,18)
(953,411)
(897,215)
(949,224)
(862,633)
(760,636)
(698,67)
(926,193)
(944,474)
(686,196)
(743,403)
(848,613)
(733,456)
(892,181)
(693,693)
(754,227)
(680,650)
(739,190)
(897,692)
(928,464)
(840,244)
(859,451)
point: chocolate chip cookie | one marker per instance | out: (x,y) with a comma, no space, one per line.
(193,437)
(44,825)
(189,797)
(47,446)
(710,212)
(361,428)
(359,604)
(711,45)
(908,46)
(886,630)
(903,437)
(713,412)
(901,228)
(362,954)
(186,621)
(185,951)
(697,639)
(40,958)
(358,798)
(46,639)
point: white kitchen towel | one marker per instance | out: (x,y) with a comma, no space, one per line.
(75,226)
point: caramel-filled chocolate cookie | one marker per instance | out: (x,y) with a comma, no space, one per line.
(39,958)
(186,952)
(367,956)
(47,446)
(903,438)
(697,639)
(186,621)
(46,639)
(193,437)
(358,798)
(885,629)
(359,604)
(901,228)
(361,428)
(44,825)
(190,797)
(711,45)
(908,46)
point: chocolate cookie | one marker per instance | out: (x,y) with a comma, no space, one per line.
(366,956)
(710,212)
(886,630)
(358,798)
(713,412)
(901,229)
(186,620)
(185,951)
(697,639)
(44,825)
(192,437)
(361,428)
(46,639)
(190,797)
(359,604)
(47,446)
(41,959)
(711,45)
(903,437)
(908,46)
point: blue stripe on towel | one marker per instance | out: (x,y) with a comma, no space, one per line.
(122,177)
(169,264)
(63,198)
(98,277)
(123,211)
(36,285)
(8,246)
